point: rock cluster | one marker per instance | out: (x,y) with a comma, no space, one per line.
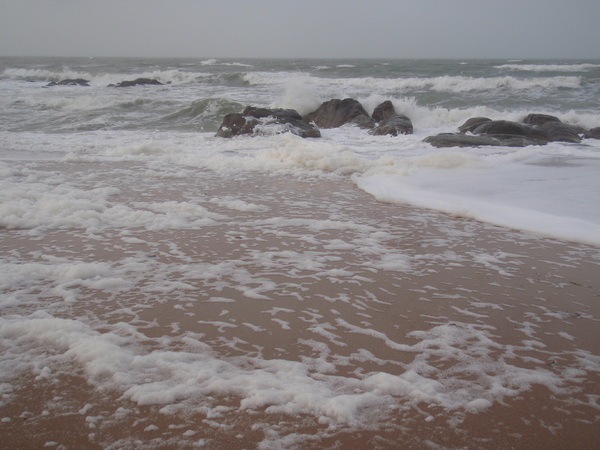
(137,82)
(125,83)
(69,82)
(255,121)
(331,114)
(535,129)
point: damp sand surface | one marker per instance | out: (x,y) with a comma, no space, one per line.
(244,310)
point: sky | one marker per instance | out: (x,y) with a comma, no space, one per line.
(302,28)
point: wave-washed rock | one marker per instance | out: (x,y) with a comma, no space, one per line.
(137,82)
(331,114)
(594,133)
(69,82)
(390,123)
(335,113)
(470,140)
(535,129)
(264,121)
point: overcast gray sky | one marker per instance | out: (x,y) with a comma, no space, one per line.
(302,28)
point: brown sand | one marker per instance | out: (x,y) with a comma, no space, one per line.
(544,290)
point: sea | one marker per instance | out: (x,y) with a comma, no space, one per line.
(113,272)
(550,190)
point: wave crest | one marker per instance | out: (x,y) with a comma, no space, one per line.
(454,84)
(550,67)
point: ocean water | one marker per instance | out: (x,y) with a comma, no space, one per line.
(168,267)
(550,190)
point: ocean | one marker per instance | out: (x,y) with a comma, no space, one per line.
(168,288)
(549,190)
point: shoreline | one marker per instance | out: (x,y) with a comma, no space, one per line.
(276,312)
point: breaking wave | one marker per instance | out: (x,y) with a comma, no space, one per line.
(550,67)
(452,84)
(170,76)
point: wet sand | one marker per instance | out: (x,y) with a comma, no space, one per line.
(501,327)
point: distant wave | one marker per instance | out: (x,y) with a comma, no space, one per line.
(549,67)
(170,76)
(42,74)
(442,84)
(216,62)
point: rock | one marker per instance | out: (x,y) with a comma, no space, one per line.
(137,82)
(259,113)
(539,119)
(559,131)
(70,82)
(383,111)
(594,133)
(472,123)
(468,140)
(506,127)
(236,124)
(500,127)
(257,121)
(335,113)
(394,125)
(537,129)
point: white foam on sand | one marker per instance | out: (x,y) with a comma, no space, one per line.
(459,367)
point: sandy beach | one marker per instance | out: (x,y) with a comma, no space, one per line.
(244,310)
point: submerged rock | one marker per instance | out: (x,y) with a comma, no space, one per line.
(137,82)
(335,113)
(70,82)
(264,121)
(469,140)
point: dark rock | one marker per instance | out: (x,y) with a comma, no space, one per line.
(539,119)
(257,121)
(594,133)
(506,127)
(259,113)
(500,127)
(458,140)
(335,113)
(137,82)
(468,140)
(394,125)
(383,111)
(235,125)
(70,82)
(472,123)
(559,131)
(363,122)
